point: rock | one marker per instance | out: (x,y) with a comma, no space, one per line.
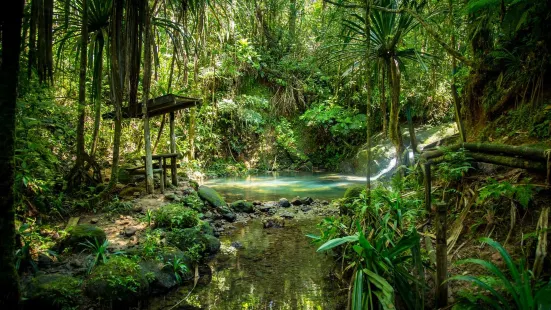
(170,196)
(264,208)
(324,202)
(120,280)
(81,233)
(211,196)
(130,231)
(307,201)
(242,206)
(305,208)
(44,261)
(163,279)
(137,194)
(271,204)
(284,203)
(273,222)
(137,209)
(94,220)
(184,239)
(287,215)
(54,291)
(237,245)
(188,191)
(296,201)
(227,213)
(257,203)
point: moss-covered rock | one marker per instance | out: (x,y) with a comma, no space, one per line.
(227,213)
(79,234)
(54,291)
(188,238)
(354,191)
(128,192)
(206,228)
(175,215)
(162,279)
(120,280)
(211,196)
(242,206)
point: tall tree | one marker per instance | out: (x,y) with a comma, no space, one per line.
(10,30)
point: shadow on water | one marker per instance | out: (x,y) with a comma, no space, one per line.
(266,269)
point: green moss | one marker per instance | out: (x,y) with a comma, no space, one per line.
(119,280)
(242,206)
(354,191)
(81,233)
(211,196)
(175,216)
(188,238)
(128,192)
(54,291)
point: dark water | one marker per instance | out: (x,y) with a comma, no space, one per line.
(277,268)
(284,185)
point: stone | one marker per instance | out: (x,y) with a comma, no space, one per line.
(211,196)
(257,203)
(227,213)
(130,231)
(170,196)
(44,261)
(120,280)
(184,239)
(54,291)
(324,202)
(264,208)
(305,208)
(242,206)
(296,201)
(81,233)
(94,220)
(287,215)
(307,201)
(273,222)
(137,209)
(237,244)
(163,279)
(284,203)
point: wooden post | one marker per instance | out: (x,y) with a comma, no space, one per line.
(427,182)
(164,170)
(441,257)
(162,176)
(173,171)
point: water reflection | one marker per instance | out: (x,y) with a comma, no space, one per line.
(275,269)
(284,184)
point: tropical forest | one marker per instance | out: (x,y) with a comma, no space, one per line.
(275,154)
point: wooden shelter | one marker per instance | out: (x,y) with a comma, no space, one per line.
(159,106)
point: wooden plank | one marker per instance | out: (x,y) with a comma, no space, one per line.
(73,221)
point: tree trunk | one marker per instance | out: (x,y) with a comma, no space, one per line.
(412,137)
(394,120)
(146,85)
(10,22)
(76,176)
(98,66)
(368,101)
(383,101)
(292,22)
(456,102)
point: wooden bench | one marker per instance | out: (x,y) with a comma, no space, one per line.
(162,167)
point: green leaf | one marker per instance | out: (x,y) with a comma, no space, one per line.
(336,242)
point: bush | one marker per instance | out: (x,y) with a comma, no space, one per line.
(176,216)
(354,191)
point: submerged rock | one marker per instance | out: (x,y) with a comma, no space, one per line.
(242,206)
(273,222)
(211,196)
(54,291)
(284,203)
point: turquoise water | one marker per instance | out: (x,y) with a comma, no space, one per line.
(273,186)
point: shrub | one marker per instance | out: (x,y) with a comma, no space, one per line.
(176,216)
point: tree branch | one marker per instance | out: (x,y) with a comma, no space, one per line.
(345,5)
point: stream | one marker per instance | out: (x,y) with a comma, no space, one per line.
(275,268)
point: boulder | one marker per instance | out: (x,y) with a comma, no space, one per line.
(257,203)
(211,196)
(130,231)
(184,239)
(307,201)
(284,203)
(296,201)
(242,206)
(54,291)
(227,213)
(79,234)
(162,279)
(120,280)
